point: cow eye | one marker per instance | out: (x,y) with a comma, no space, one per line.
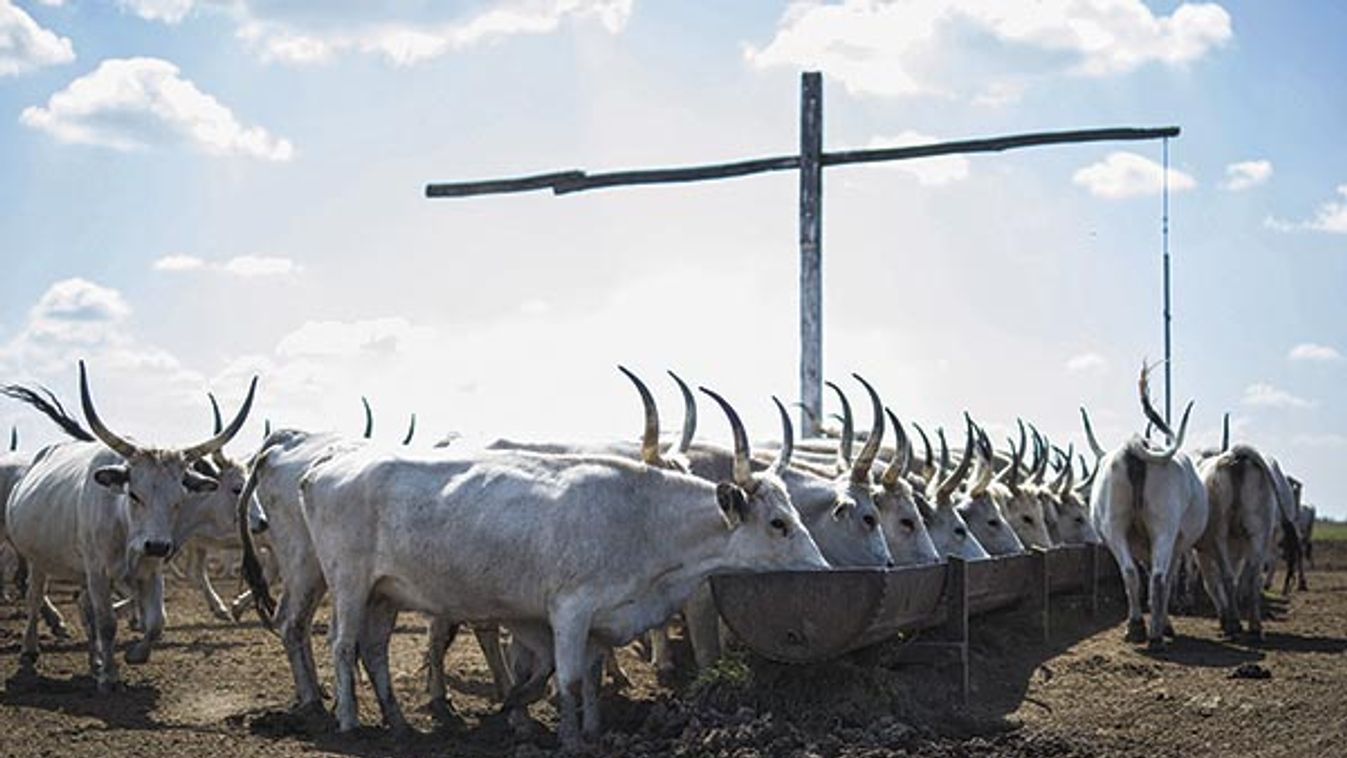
(1080,519)
(960,532)
(993,523)
(869,521)
(237,490)
(908,524)
(780,526)
(1027,519)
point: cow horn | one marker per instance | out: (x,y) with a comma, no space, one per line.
(266,428)
(120,446)
(984,454)
(1089,434)
(787,439)
(848,429)
(217,442)
(860,472)
(650,437)
(689,414)
(944,450)
(1225,433)
(1070,476)
(411,431)
(1143,387)
(950,483)
(902,453)
(13,438)
(927,470)
(369,417)
(742,472)
(215,413)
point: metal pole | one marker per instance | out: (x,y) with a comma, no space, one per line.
(811,249)
(1164,233)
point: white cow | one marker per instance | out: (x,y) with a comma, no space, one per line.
(979,507)
(1150,506)
(107,515)
(947,528)
(584,551)
(1233,550)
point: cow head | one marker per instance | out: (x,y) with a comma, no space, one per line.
(851,533)
(905,527)
(978,507)
(157,485)
(765,529)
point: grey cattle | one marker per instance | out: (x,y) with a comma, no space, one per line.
(107,514)
(599,550)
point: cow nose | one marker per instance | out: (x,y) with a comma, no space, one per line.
(261,526)
(158,549)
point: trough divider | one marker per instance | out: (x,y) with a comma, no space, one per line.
(1040,593)
(956,593)
(1092,572)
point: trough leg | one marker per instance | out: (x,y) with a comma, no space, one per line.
(956,624)
(1042,593)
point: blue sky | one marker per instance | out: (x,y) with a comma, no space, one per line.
(196,190)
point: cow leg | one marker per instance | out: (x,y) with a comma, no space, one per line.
(380,618)
(1215,583)
(37,594)
(703,626)
(661,651)
(303,591)
(90,631)
(570,637)
(597,656)
(105,629)
(150,600)
(197,569)
(1248,583)
(442,634)
(1136,625)
(1162,564)
(488,638)
(53,619)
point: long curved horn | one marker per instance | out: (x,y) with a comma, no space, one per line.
(689,414)
(944,450)
(1043,462)
(1143,387)
(848,438)
(1011,476)
(266,428)
(13,438)
(120,446)
(984,454)
(787,439)
(1160,456)
(217,442)
(650,437)
(369,417)
(927,469)
(215,413)
(947,487)
(1089,434)
(1225,433)
(742,473)
(1037,439)
(411,431)
(1069,475)
(902,453)
(860,472)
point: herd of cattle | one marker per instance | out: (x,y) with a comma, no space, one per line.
(575,549)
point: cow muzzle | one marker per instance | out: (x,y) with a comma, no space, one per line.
(260,526)
(158,548)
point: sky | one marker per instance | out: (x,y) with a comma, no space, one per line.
(193,192)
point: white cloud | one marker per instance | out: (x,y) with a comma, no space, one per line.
(289,35)
(1309,351)
(167,11)
(1123,175)
(1331,217)
(1086,362)
(1246,174)
(242,265)
(381,336)
(1266,396)
(948,47)
(133,103)
(24,45)
(928,171)
(178,263)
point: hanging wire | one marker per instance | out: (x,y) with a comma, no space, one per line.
(1164,238)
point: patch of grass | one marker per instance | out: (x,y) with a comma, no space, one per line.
(1333,531)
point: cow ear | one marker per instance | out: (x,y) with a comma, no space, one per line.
(196,482)
(113,477)
(733,503)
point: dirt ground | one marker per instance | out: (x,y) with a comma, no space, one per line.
(214,688)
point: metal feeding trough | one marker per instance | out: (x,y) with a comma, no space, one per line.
(811,616)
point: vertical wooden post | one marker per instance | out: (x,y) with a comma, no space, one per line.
(1092,578)
(811,249)
(956,616)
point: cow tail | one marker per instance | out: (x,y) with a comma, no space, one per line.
(252,567)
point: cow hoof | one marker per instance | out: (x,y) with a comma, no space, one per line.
(109,686)
(223,614)
(1254,637)
(1156,644)
(1230,629)
(138,654)
(443,711)
(60,632)
(1169,631)
(1136,631)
